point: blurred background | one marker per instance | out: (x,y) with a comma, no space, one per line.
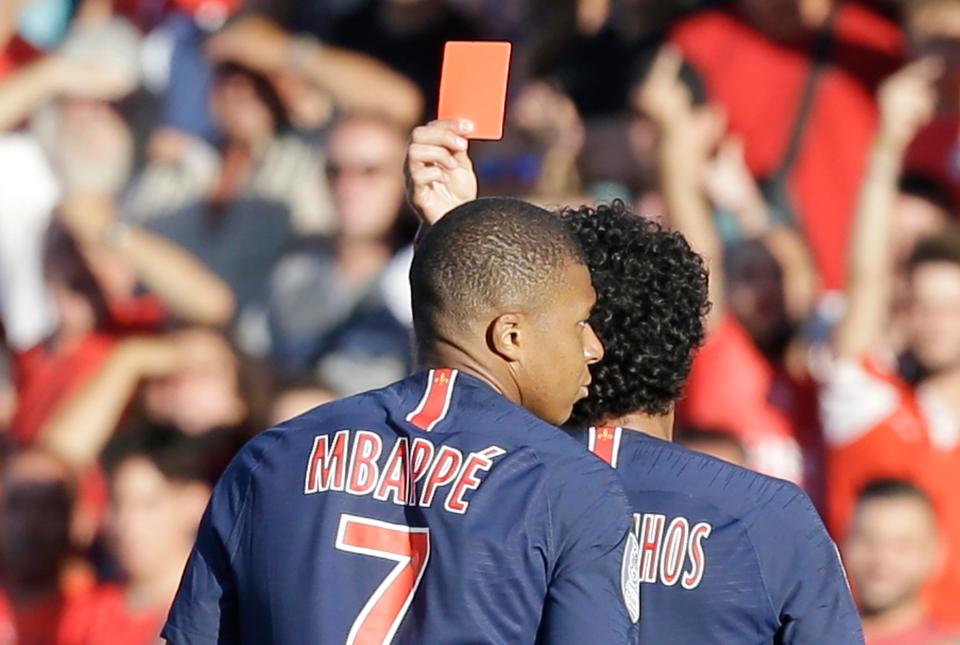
(203,232)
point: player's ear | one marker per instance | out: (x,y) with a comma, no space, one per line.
(505,335)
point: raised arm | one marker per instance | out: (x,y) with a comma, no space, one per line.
(551,118)
(907,101)
(438,170)
(52,77)
(355,81)
(190,290)
(687,136)
(731,187)
(86,420)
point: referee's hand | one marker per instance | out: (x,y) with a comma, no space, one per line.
(438,170)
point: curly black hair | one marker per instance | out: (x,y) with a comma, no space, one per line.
(651,306)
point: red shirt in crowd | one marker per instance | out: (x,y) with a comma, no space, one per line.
(936,153)
(99,616)
(759,81)
(45,377)
(877,426)
(16,54)
(925,632)
(111,621)
(59,620)
(733,387)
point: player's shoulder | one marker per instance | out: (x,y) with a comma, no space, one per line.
(366,410)
(566,450)
(652,464)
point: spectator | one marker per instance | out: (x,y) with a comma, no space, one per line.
(923,208)
(97,61)
(540,159)
(330,306)
(240,209)
(159,486)
(750,378)
(878,423)
(38,604)
(894,549)
(92,317)
(93,272)
(177,43)
(355,82)
(93,264)
(191,380)
(759,59)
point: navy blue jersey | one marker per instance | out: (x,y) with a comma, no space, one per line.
(431,511)
(726,555)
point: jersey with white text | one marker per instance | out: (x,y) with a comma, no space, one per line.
(725,554)
(431,511)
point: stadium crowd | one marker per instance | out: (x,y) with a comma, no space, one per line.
(204,232)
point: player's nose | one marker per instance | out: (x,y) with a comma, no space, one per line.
(592,347)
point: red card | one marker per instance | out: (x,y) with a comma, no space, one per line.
(473,85)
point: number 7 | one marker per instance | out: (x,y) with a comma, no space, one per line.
(407,546)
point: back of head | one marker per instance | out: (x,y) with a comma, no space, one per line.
(37,493)
(651,302)
(179,458)
(159,487)
(482,259)
(942,247)
(894,489)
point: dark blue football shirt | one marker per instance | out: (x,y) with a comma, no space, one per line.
(726,555)
(431,511)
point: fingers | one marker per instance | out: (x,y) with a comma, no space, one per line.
(667,64)
(447,133)
(422,154)
(427,175)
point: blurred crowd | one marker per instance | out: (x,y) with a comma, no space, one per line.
(203,232)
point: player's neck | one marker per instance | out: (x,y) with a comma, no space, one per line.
(455,356)
(894,620)
(655,425)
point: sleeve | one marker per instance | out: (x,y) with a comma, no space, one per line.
(805,579)
(30,194)
(590,587)
(205,610)
(855,395)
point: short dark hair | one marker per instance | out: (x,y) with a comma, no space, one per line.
(180,458)
(940,247)
(893,489)
(651,305)
(486,254)
(263,87)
